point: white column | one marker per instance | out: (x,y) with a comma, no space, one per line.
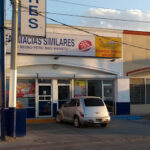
(54,91)
(123,88)
(12,88)
(36,98)
(72,88)
(13,65)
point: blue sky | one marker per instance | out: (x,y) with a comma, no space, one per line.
(132,10)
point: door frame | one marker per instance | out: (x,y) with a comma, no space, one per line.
(64,84)
(113,94)
(107,85)
(37,99)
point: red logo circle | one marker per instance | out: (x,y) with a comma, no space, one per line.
(85,46)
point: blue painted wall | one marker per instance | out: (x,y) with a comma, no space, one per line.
(30,112)
(123,108)
(20,129)
(54,109)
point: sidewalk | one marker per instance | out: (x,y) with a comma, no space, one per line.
(50,120)
(40,121)
(54,136)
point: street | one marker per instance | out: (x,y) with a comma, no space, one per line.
(119,135)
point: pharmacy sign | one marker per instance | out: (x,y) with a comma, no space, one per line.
(33,18)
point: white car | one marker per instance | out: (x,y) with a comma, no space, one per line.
(84,110)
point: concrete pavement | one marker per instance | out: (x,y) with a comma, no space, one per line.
(119,135)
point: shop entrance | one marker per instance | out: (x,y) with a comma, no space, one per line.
(108,96)
(44,103)
(64,91)
(103,89)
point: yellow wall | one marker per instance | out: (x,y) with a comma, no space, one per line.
(140,109)
(135,57)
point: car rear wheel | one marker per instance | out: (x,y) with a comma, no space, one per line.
(103,124)
(58,118)
(76,122)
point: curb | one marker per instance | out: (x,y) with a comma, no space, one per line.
(119,117)
(126,117)
(41,120)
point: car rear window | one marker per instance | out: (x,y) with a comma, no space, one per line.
(93,102)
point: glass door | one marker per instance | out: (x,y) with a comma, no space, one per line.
(44,100)
(63,91)
(108,96)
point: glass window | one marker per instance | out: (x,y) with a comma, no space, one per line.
(79,88)
(95,88)
(64,81)
(63,92)
(93,102)
(107,82)
(44,81)
(44,90)
(44,108)
(25,93)
(137,91)
(147,91)
(25,102)
(108,91)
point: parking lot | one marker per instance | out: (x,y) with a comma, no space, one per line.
(120,134)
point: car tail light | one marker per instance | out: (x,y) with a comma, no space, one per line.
(81,114)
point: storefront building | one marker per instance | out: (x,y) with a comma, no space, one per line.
(137,67)
(69,63)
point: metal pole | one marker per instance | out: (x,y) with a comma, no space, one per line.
(13,67)
(2,68)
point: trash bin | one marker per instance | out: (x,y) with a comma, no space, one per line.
(20,122)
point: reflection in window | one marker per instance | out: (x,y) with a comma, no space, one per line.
(137,91)
(64,81)
(79,88)
(147,91)
(95,88)
(107,82)
(25,93)
(63,91)
(44,90)
(108,91)
(44,81)
(63,94)
(45,108)
(26,101)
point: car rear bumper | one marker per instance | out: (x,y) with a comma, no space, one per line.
(94,120)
